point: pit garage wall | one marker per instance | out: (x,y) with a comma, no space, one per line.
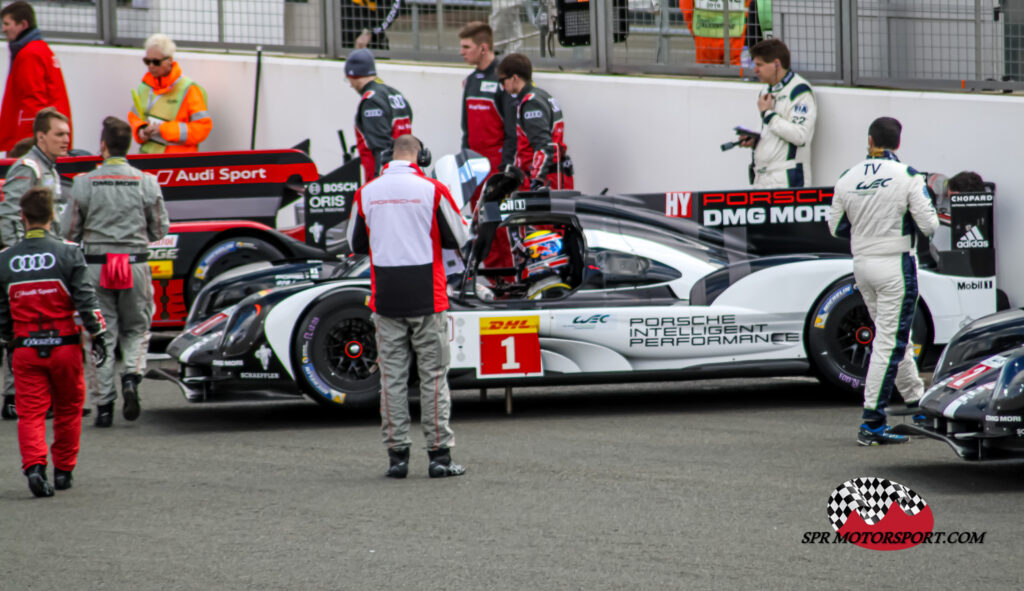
(629,134)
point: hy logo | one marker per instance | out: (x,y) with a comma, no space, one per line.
(316,230)
(263,354)
(879,514)
(973,238)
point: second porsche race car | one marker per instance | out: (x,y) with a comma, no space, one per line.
(629,295)
(976,400)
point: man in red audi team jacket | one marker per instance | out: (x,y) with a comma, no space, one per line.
(540,129)
(34,81)
(43,282)
(488,112)
(402,220)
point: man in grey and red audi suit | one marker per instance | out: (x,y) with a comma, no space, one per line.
(42,283)
(115,212)
(402,220)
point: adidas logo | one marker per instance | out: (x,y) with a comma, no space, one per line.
(973,238)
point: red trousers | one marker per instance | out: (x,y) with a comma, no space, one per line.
(38,382)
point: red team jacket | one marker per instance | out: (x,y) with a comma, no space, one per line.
(33,83)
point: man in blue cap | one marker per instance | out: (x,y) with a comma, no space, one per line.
(383,112)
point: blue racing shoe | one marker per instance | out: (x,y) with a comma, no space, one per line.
(878,436)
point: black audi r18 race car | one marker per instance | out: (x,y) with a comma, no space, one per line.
(976,400)
(631,292)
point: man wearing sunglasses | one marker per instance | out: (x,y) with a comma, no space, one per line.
(34,81)
(168,109)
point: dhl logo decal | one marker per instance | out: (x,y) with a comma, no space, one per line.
(510,325)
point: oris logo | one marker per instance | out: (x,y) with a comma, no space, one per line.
(33,262)
(327,201)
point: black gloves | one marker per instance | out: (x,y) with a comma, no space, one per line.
(536,184)
(99,349)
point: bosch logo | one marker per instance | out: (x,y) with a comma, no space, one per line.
(33,262)
(349,187)
(313,188)
(327,201)
(373,113)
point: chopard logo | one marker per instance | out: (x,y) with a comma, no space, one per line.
(32,262)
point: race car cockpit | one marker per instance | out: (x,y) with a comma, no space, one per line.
(545,238)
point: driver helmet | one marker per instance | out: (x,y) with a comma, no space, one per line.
(543,254)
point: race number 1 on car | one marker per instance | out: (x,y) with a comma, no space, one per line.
(509,346)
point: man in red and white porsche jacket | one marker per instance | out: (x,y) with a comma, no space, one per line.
(403,220)
(43,282)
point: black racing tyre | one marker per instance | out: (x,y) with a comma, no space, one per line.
(228,254)
(839,335)
(335,352)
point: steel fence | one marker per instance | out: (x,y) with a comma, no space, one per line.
(970,44)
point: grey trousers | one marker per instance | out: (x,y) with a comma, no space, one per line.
(129,314)
(397,338)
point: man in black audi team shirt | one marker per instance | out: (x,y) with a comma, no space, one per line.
(540,130)
(383,112)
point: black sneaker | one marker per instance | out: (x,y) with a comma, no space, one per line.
(130,393)
(104,415)
(398,463)
(8,412)
(441,465)
(62,479)
(37,482)
(879,436)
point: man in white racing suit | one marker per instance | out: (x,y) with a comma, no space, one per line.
(880,204)
(782,153)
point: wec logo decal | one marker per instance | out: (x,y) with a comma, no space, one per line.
(875,184)
(595,319)
(32,262)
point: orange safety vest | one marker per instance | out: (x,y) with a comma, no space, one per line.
(706,20)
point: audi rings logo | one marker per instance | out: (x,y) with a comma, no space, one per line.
(33,262)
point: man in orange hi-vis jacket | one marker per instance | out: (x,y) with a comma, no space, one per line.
(168,109)
(706,20)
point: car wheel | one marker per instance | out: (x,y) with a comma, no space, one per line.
(840,333)
(335,350)
(228,254)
